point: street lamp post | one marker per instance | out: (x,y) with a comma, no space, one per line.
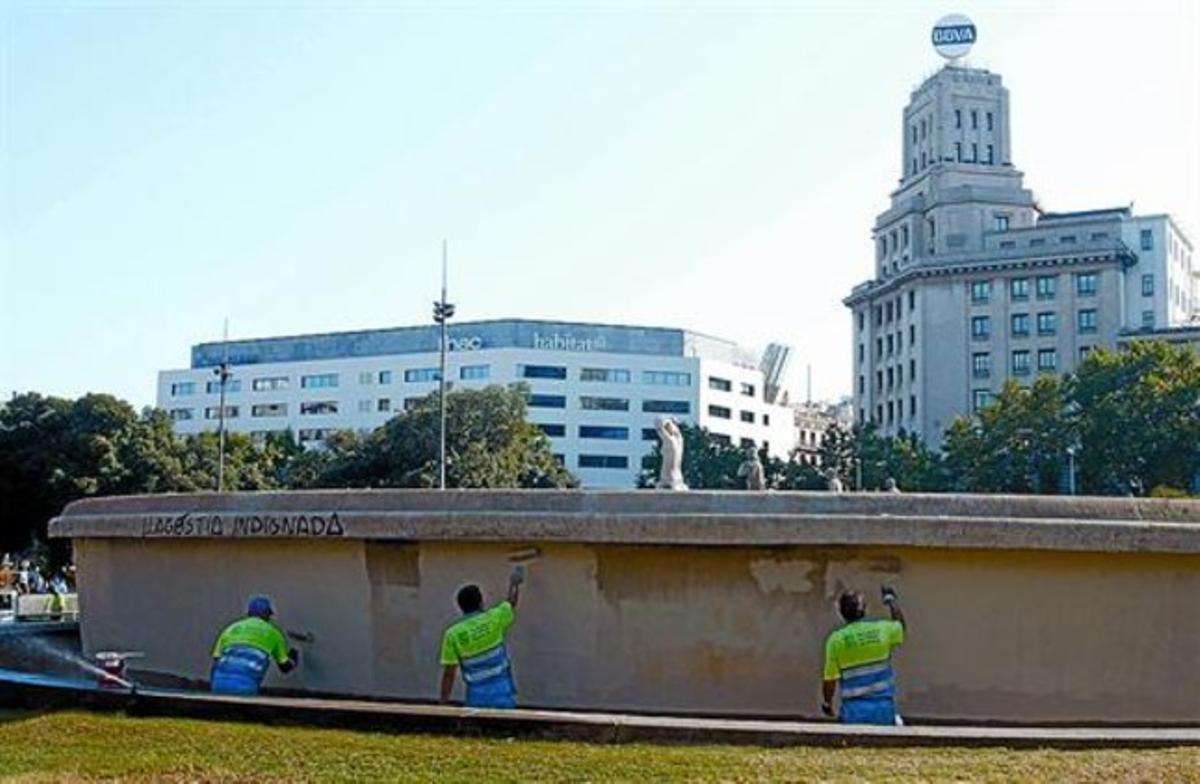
(443,311)
(222,373)
(1071,469)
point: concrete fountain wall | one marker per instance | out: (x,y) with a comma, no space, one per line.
(1021,609)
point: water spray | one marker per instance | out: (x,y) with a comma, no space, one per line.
(111,672)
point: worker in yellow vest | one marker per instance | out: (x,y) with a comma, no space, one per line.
(476,645)
(858,661)
(244,651)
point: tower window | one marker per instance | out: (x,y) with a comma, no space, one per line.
(974,119)
(990,121)
(991,157)
(958,151)
(958,118)
(974,152)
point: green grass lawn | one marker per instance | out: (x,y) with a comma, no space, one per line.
(75,746)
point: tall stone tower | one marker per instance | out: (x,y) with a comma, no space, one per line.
(957,180)
(975,286)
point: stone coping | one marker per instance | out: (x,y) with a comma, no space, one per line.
(694,518)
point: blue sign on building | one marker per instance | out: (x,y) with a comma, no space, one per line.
(467,336)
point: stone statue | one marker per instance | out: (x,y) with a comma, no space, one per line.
(890,486)
(752,469)
(670,476)
(834,485)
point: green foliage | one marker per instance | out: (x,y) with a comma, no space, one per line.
(489,443)
(792,474)
(1138,418)
(72,746)
(1017,443)
(905,458)
(1133,418)
(54,451)
(839,453)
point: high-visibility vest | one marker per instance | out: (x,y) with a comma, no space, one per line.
(487,669)
(872,680)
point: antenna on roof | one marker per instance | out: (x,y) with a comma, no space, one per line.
(223,373)
(443,311)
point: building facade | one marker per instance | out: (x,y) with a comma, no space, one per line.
(813,419)
(1188,336)
(595,390)
(974,284)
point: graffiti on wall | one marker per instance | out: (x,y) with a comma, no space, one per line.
(311,525)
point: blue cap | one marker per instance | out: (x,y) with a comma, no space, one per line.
(261,606)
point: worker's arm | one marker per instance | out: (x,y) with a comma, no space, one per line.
(448,673)
(514,584)
(892,600)
(830,674)
(897,613)
(827,690)
(291,662)
(285,658)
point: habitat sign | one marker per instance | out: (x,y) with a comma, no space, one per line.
(953,36)
(268,526)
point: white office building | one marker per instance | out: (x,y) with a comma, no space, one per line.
(595,390)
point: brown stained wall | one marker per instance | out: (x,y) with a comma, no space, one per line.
(995,635)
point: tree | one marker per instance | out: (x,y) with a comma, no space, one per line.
(54,451)
(1016,444)
(489,443)
(914,466)
(839,453)
(1138,418)
(860,453)
(793,474)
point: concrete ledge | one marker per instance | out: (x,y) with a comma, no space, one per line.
(1108,525)
(34,691)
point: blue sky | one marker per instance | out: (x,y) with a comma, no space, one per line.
(717,166)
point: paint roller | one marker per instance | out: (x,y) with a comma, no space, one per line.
(524,557)
(519,560)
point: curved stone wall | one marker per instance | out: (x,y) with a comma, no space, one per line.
(1021,609)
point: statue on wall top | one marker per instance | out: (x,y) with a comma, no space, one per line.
(834,484)
(670,476)
(752,470)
